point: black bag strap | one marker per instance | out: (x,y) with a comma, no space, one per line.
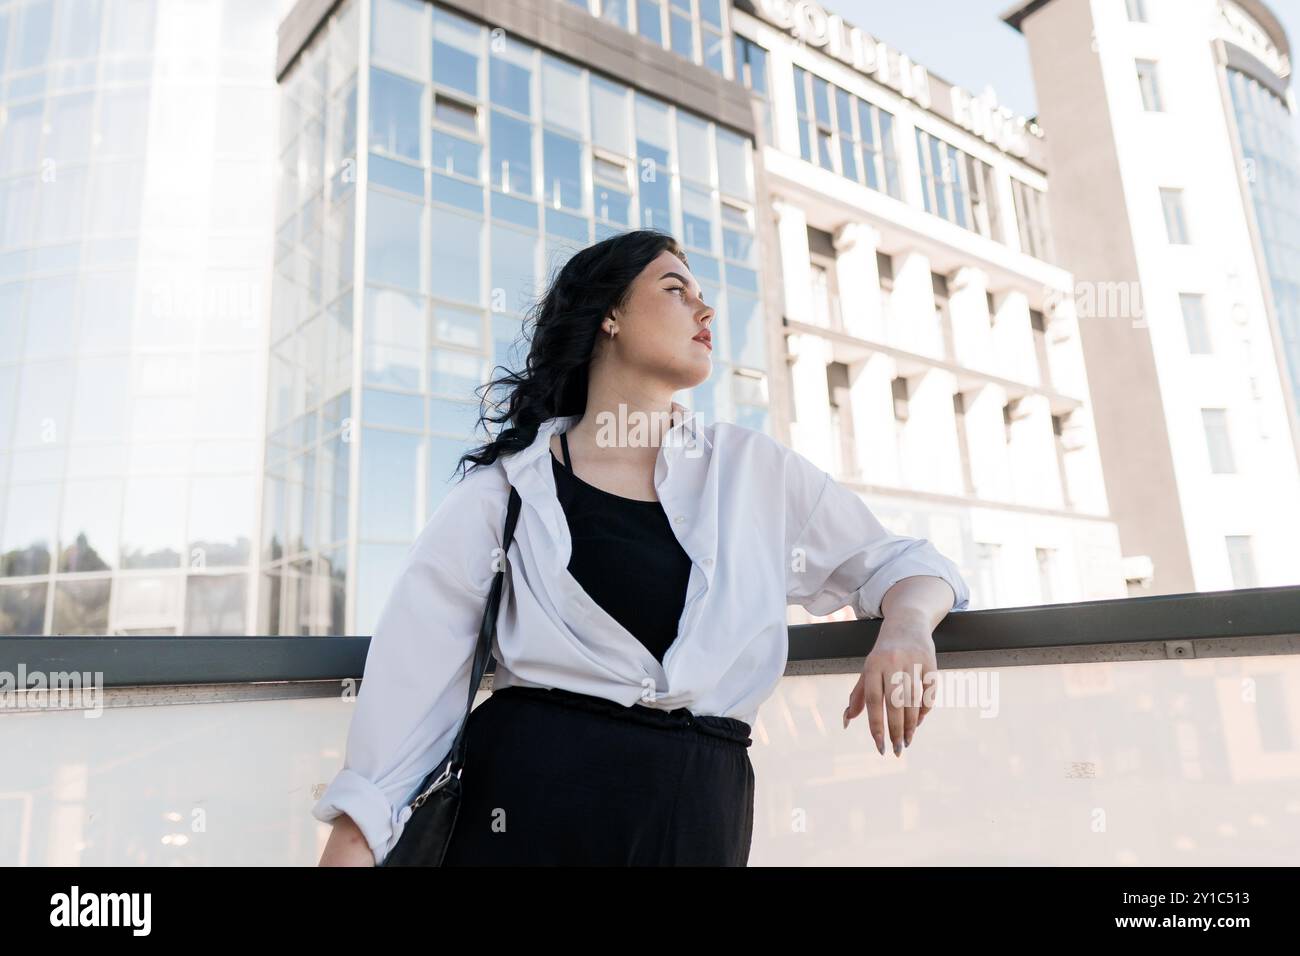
(487,631)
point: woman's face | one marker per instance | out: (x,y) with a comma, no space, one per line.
(657,328)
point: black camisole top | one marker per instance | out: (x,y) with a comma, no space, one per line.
(625,556)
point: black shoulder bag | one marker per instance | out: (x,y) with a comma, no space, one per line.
(427,833)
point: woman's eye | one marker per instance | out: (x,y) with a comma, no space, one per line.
(678,288)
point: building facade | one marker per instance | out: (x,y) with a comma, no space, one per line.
(909,332)
(436,167)
(1173,163)
(933,351)
(136,174)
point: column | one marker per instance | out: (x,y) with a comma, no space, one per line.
(972,333)
(859,280)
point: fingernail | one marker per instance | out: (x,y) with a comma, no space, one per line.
(898,748)
(880,745)
(846,717)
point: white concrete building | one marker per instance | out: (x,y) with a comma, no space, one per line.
(933,350)
(1174,195)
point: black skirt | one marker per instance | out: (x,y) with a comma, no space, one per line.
(555,778)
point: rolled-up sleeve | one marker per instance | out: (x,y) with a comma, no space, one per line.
(416,677)
(840,554)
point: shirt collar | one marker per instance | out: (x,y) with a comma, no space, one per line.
(528,470)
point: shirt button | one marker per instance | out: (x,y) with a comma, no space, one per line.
(708,562)
(680,518)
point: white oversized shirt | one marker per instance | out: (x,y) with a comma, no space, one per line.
(764,528)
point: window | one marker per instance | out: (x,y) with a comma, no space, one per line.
(649,20)
(751,72)
(1242,561)
(1031,214)
(1137,10)
(1198,334)
(1149,85)
(984,198)
(1217,441)
(899,388)
(956,186)
(1171,200)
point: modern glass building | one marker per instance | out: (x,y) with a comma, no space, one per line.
(136,173)
(435,169)
(1266,126)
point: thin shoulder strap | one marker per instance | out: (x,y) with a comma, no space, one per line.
(564,443)
(483,652)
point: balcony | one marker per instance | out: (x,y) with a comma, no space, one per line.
(1158,731)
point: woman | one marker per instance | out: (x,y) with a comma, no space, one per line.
(643,621)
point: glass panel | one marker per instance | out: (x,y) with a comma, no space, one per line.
(90,531)
(391,476)
(693,148)
(393,240)
(510,75)
(395,114)
(397,34)
(511,151)
(562,168)
(455,155)
(455,259)
(609,116)
(513,269)
(393,408)
(81,607)
(456,374)
(733,164)
(562,95)
(215,604)
(456,51)
(652,138)
(697,217)
(27,542)
(458,326)
(153,522)
(649,21)
(22,610)
(221,527)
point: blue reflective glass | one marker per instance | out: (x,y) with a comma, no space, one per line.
(648,21)
(453,418)
(509,84)
(521,212)
(457,192)
(513,269)
(656,212)
(562,169)
(451,154)
(455,272)
(745,320)
(395,114)
(456,374)
(397,175)
(567,225)
(511,154)
(392,408)
(455,52)
(393,240)
(390,469)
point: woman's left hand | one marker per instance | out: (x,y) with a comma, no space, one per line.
(894,678)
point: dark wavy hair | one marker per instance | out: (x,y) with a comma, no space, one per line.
(562,325)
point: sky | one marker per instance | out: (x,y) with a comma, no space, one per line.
(966,42)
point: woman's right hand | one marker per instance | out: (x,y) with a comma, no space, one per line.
(347,845)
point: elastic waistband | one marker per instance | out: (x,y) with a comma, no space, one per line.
(725,728)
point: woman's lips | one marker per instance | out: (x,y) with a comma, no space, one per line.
(704,340)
